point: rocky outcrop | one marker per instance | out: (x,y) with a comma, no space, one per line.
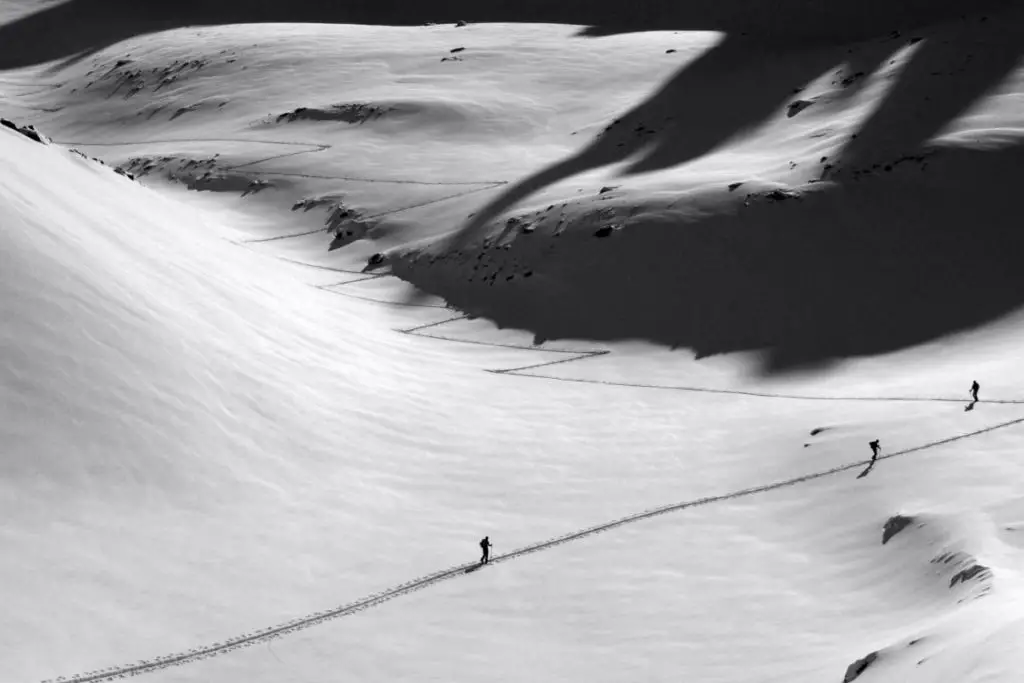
(860,666)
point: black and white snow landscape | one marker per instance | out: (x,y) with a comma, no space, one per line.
(301,300)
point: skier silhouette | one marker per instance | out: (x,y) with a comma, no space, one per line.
(974,390)
(875,448)
(485,546)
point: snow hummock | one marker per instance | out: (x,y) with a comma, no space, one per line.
(213,425)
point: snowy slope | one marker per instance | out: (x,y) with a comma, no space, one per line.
(205,437)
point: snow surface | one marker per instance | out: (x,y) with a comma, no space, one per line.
(212,425)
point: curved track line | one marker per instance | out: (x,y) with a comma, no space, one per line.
(265,635)
(357,280)
(585,354)
(316,618)
(275,238)
(438,200)
(416,332)
(315,147)
(739,392)
(316,266)
(382,302)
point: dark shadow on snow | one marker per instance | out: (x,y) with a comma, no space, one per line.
(869,264)
(905,243)
(77,28)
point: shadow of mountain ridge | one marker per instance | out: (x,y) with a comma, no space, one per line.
(905,241)
(81,27)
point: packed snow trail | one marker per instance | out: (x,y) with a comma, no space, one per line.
(584,354)
(298,624)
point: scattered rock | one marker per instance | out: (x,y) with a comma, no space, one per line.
(850,80)
(860,666)
(255,186)
(357,112)
(28,131)
(894,525)
(965,575)
(780,195)
(797,106)
(183,110)
(346,224)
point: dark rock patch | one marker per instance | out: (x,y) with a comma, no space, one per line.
(796,107)
(355,113)
(850,80)
(781,195)
(860,666)
(202,175)
(965,575)
(894,525)
(28,131)
(374,262)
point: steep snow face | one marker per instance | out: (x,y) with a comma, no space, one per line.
(205,436)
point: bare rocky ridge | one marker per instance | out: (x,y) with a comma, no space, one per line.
(355,113)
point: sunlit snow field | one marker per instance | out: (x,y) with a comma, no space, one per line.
(204,435)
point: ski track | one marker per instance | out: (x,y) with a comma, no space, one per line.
(584,354)
(375,599)
(313,148)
